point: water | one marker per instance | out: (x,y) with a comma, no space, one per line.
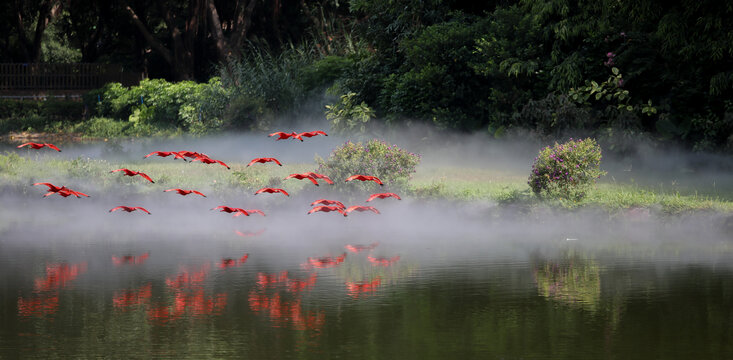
(427,284)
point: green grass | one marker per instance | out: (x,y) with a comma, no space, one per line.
(458,184)
(472,184)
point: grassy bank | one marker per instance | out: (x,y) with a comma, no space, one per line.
(456,184)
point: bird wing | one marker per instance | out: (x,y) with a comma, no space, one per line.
(26,144)
(151,154)
(145,176)
(198,193)
(326,179)
(320,132)
(116,208)
(222,164)
(254,161)
(141,208)
(276,161)
(283,191)
(52,146)
(352,177)
(171,190)
(52,187)
(312,179)
(219,207)
(77,193)
(123,169)
(372,197)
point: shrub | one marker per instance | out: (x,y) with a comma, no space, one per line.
(566,170)
(392,165)
(347,117)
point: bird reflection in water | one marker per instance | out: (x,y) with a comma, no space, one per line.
(229,262)
(359,248)
(357,288)
(189,297)
(249,233)
(382,261)
(45,299)
(128,298)
(324,262)
(283,278)
(283,312)
(130,259)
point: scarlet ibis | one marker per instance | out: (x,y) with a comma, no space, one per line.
(129,172)
(192,154)
(253,211)
(320,176)
(61,190)
(360,209)
(66,192)
(208,160)
(301,177)
(383,196)
(38,146)
(283,135)
(324,208)
(365,178)
(228,209)
(128,298)
(249,233)
(360,248)
(328,202)
(383,261)
(312,133)
(263,160)
(271,191)
(129,209)
(176,155)
(185,192)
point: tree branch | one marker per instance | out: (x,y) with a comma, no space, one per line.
(157,45)
(242,25)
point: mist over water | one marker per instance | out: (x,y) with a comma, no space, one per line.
(435,269)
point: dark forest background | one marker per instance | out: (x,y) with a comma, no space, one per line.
(619,71)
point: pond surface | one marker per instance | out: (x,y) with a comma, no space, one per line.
(419,281)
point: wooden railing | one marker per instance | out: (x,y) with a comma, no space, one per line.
(40,77)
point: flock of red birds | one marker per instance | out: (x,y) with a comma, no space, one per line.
(324,205)
(185,300)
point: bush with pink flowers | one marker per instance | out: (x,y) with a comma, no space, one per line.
(567,170)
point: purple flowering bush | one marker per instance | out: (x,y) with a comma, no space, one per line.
(566,170)
(392,165)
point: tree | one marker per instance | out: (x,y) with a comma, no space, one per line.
(25,13)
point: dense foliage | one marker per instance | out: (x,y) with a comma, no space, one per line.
(567,170)
(392,165)
(608,69)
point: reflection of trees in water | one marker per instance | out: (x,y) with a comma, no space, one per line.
(573,279)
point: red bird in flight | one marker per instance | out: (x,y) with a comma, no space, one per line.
(38,146)
(252,211)
(283,135)
(61,190)
(360,209)
(383,196)
(263,160)
(365,178)
(301,177)
(192,154)
(271,191)
(312,133)
(328,202)
(228,209)
(176,155)
(129,209)
(129,172)
(185,192)
(325,208)
(320,176)
(208,160)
